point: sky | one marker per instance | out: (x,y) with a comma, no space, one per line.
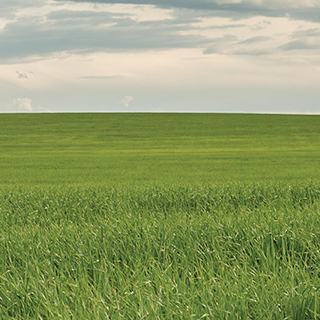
(248,56)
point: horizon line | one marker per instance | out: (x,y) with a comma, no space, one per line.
(167,112)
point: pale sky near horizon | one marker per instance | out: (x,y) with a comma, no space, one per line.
(257,56)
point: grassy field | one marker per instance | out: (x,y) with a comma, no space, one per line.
(141,216)
(111,149)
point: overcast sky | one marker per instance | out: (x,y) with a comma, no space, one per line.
(160,56)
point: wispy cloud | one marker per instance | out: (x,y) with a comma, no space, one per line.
(106,77)
(23,104)
(301,45)
(157,110)
(43,110)
(253,40)
(22,75)
(126,100)
(297,9)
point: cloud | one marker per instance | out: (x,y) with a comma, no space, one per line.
(23,104)
(213,4)
(254,40)
(314,32)
(296,9)
(85,17)
(22,75)
(37,37)
(43,110)
(32,37)
(108,77)
(10,7)
(126,100)
(301,45)
(227,26)
(303,40)
(223,45)
(157,110)
(307,14)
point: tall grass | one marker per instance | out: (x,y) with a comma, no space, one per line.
(237,251)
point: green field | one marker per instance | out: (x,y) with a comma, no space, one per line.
(111,149)
(159,216)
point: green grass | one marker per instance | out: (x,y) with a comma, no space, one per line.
(169,252)
(141,216)
(110,149)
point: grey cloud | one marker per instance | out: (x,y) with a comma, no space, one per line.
(253,40)
(69,14)
(22,75)
(225,48)
(91,18)
(314,32)
(234,10)
(227,26)
(94,31)
(253,52)
(9,7)
(215,48)
(300,45)
(221,45)
(308,39)
(229,45)
(187,4)
(309,14)
(39,36)
(178,19)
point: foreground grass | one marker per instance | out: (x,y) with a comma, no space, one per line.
(235,251)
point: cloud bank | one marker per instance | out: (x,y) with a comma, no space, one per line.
(34,36)
(75,32)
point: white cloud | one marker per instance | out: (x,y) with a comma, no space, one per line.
(126,100)
(157,110)
(43,110)
(24,104)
